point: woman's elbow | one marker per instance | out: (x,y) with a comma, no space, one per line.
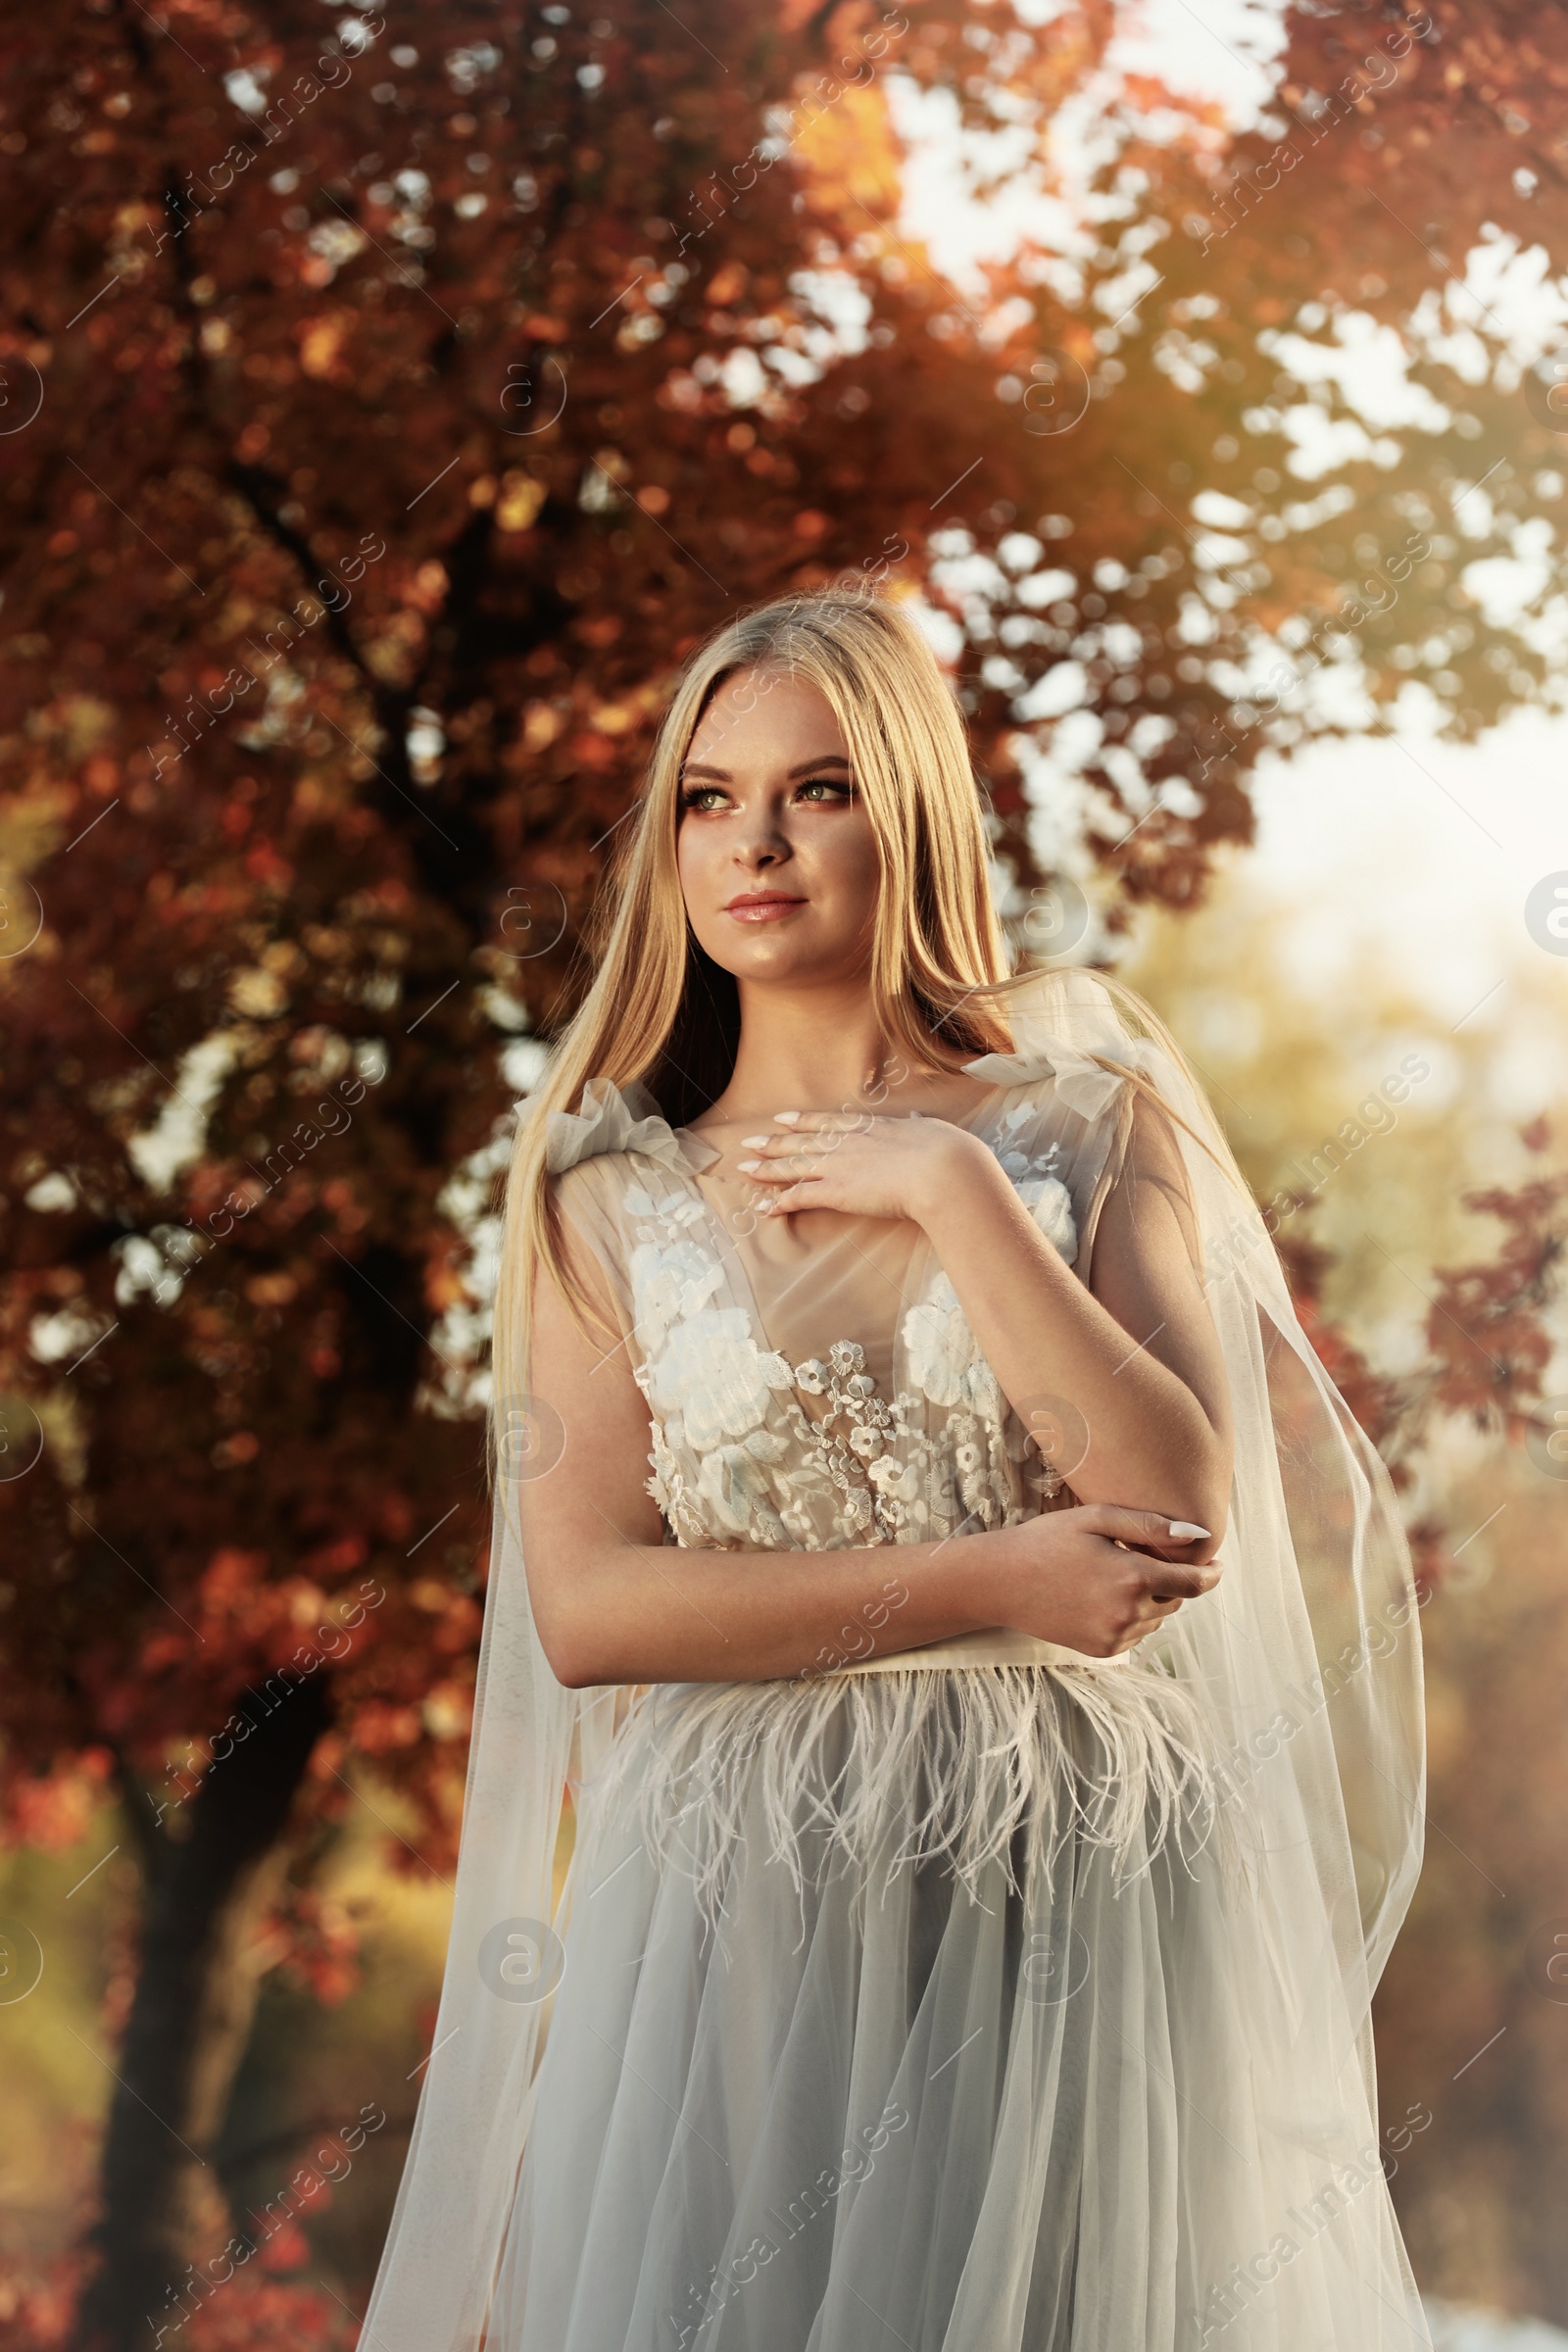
(569,1652)
(1211,1498)
(1195,1485)
(566,1633)
(573,1676)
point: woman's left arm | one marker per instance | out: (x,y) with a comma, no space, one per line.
(1135,1352)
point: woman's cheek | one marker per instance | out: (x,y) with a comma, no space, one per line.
(700,881)
(855,872)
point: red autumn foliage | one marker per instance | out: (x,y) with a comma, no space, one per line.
(1487,1334)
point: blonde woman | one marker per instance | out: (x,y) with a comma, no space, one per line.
(942,1602)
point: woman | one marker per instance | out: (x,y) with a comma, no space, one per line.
(977,1896)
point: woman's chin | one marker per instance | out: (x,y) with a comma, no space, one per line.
(783,965)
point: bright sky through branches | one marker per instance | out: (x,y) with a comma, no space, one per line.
(1428,848)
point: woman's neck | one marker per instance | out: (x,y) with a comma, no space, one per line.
(823,1049)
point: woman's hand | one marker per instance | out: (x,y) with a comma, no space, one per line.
(864,1165)
(1099,1578)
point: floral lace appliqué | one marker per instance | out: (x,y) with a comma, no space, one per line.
(738,1461)
(945,1359)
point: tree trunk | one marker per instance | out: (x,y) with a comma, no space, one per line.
(163,2202)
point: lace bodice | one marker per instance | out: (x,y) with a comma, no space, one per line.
(815,1390)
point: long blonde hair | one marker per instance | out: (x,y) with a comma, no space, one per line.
(659,1010)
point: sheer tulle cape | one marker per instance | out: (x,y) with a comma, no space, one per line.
(1304,1663)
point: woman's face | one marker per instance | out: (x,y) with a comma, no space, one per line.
(777,859)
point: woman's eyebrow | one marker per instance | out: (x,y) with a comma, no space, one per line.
(721,775)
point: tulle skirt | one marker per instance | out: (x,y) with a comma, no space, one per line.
(1023,2081)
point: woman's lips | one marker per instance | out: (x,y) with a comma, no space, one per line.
(761,910)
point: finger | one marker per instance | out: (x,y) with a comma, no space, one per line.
(1160,1578)
(1154,1611)
(826,1139)
(824,1122)
(1133,1635)
(778,1148)
(1146,1531)
(1172,1581)
(795,1169)
(804,1195)
(1162,1603)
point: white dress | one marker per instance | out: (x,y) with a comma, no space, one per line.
(980,1999)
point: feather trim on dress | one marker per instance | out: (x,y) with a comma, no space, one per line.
(881,1772)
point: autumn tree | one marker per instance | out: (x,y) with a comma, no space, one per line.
(388,412)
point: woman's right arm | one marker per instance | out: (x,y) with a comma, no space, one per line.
(614,1604)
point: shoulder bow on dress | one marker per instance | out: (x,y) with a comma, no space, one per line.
(619,1118)
(1065,1027)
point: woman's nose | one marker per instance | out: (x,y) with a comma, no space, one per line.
(762,841)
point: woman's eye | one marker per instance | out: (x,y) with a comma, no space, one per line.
(820,791)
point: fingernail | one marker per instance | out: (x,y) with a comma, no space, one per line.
(789,1117)
(748,1168)
(752,1143)
(1187,1531)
